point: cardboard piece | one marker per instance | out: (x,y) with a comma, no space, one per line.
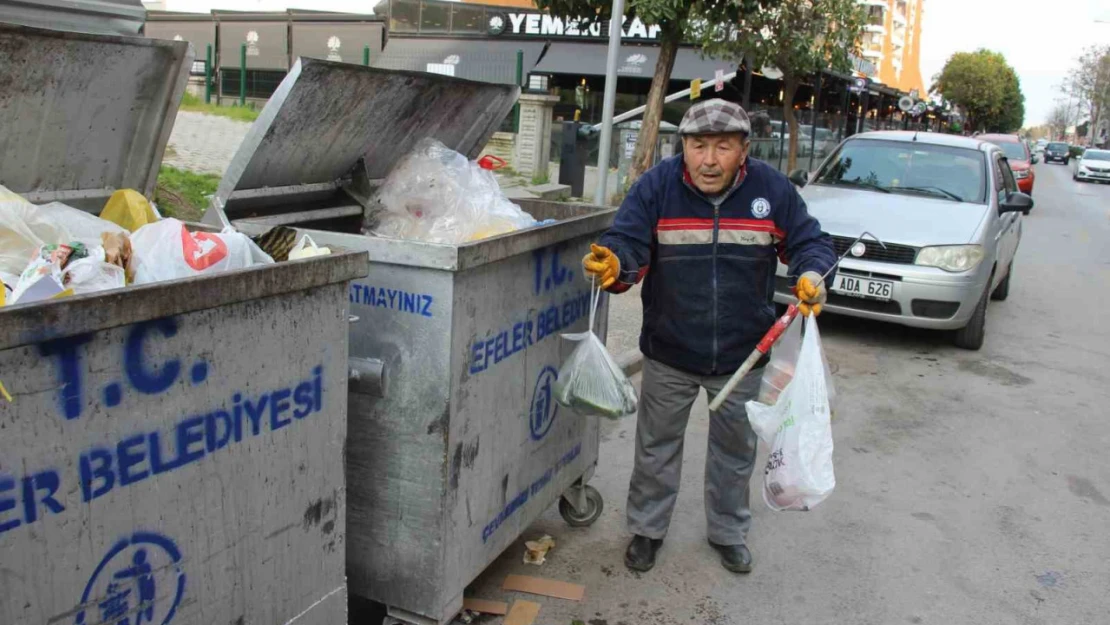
(522,613)
(545,587)
(485,606)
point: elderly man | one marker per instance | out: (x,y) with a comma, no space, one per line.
(711,224)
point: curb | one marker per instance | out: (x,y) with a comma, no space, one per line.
(631,362)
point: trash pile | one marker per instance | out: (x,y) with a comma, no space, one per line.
(54,250)
(434,194)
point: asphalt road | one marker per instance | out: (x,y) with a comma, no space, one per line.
(973,487)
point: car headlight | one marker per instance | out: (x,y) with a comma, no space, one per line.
(954,258)
(1022,174)
(1083,168)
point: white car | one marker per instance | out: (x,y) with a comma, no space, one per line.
(1093,165)
(1041,144)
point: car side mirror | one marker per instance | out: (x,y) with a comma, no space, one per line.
(799,177)
(1016,202)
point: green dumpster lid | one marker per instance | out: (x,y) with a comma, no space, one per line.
(331,128)
(82,115)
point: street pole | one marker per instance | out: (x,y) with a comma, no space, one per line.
(615,24)
(208,75)
(243,74)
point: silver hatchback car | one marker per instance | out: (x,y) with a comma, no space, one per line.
(947,208)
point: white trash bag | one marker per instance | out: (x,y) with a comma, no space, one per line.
(798,429)
(166,250)
(591,381)
(437,195)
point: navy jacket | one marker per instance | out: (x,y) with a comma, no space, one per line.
(708,265)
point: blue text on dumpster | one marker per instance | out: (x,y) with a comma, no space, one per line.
(529,491)
(393,299)
(146,377)
(144,454)
(517,337)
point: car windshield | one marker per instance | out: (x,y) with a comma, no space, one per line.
(1013,151)
(1096,155)
(1060,147)
(907,167)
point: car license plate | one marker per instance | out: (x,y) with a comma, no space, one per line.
(854,286)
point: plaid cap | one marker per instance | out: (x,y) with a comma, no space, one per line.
(715,117)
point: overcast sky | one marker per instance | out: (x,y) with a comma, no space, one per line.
(1039,38)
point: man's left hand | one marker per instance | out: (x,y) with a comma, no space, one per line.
(811,293)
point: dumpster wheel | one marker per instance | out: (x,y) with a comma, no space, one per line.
(584,518)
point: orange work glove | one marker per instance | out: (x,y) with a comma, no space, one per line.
(603,264)
(811,293)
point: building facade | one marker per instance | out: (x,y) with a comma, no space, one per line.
(892,43)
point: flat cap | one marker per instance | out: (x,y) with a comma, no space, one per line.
(715,117)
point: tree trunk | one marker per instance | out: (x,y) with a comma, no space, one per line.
(644,155)
(789,88)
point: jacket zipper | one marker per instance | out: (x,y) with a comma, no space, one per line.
(716,223)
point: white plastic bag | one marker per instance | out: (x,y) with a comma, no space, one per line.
(25,227)
(307,248)
(590,381)
(799,471)
(166,250)
(93,273)
(436,194)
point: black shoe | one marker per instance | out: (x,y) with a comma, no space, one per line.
(735,558)
(641,553)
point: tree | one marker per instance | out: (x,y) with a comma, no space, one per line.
(798,37)
(673,17)
(985,87)
(1059,118)
(1090,83)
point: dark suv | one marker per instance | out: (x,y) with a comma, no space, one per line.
(1056,151)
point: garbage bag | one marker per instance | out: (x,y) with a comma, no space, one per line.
(307,248)
(436,194)
(166,250)
(798,428)
(93,273)
(128,209)
(591,381)
(25,227)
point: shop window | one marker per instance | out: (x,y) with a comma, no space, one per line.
(434,17)
(468,19)
(404,16)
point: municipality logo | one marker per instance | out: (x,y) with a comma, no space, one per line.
(761,207)
(252,43)
(333,49)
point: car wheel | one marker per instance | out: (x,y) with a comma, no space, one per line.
(1002,291)
(971,336)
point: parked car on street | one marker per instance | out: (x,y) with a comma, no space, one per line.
(1020,158)
(1093,165)
(1057,151)
(947,208)
(1041,143)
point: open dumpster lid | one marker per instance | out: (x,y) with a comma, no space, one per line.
(82,115)
(104,17)
(333,126)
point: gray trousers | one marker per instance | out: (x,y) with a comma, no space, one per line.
(666,397)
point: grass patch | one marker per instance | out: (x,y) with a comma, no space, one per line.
(190,102)
(183,194)
(540,178)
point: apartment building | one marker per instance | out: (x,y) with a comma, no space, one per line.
(892,43)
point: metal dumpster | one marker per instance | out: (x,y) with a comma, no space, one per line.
(170,453)
(454,443)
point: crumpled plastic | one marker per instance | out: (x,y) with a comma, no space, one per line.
(166,250)
(437,195)
(25,227)
(128,209)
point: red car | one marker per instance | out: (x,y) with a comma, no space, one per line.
(1017,153)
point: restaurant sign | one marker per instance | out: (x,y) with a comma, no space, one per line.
(541,25)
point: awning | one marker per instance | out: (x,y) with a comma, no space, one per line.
(478,59)
(588,59)
(266,41)
(337,41)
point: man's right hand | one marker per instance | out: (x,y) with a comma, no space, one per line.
(602,264)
